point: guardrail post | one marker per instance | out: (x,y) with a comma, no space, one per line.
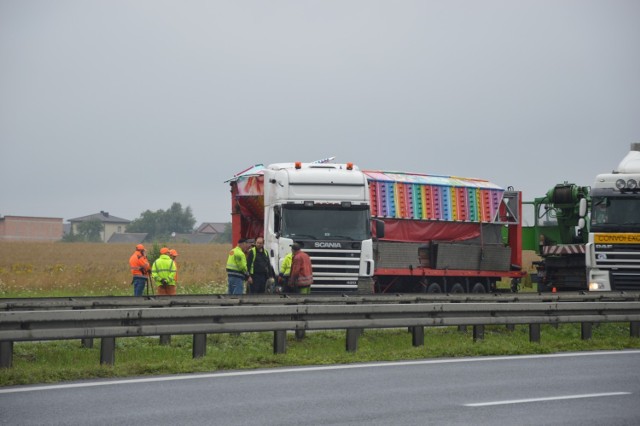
(478,332)
(585,330)
(534,332)
(352,339)
(108,350)
(417,336)
(300,333)
(634,329)
(6,354)
(165,339)
(88,342)
(199,345)
(280,341)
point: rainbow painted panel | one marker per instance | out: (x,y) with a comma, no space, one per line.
(418,210)
(472,196)
(401,200)
(463,204)
(445,195)
(426,197)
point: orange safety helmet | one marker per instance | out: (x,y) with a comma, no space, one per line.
(139,247)
(173,253)
(164,250)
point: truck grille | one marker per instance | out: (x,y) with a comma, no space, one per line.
(334,269)
(623,264)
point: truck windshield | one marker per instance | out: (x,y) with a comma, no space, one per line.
(615,214)
(326,223)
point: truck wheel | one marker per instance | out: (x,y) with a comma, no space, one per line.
(478,288)
(456,288)
(434,288)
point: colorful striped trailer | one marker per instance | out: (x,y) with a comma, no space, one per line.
(444,233)
(430,233)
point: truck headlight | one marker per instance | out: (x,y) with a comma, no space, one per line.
(596,286)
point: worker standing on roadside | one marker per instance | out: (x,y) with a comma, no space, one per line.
(163,272)
(301,270)
(259,267)
(283,276)
(237,271)
(173,254)
(140,267)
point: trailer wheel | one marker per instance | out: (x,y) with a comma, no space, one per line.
(434,288)
(456,288)
(478,288)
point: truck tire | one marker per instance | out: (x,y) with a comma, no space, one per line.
(456,289)
(434,288)
(478,288)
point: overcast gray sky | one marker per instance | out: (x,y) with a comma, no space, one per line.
(125,106)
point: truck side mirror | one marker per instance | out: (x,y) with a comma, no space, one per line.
(581,223)
(582,208)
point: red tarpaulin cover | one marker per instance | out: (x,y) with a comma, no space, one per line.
(423,231)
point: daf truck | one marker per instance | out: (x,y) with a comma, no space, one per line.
(613,250)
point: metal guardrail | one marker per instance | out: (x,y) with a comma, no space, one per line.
(109,302)
(299,314)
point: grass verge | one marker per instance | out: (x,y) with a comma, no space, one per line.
(59,361)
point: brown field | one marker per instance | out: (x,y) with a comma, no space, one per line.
(29,269)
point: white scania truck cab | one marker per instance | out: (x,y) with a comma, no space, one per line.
(324,207)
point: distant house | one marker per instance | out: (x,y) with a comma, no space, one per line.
(211,228)
(27,228)
(112,224)
(206,233)
(127,237)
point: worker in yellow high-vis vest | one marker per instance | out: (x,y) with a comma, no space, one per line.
(237,271)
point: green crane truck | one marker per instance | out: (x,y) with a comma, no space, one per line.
(559,235)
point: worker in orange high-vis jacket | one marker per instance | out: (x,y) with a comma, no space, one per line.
(140,268)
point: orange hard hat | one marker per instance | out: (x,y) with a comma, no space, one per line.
(164,250)
(173,252)
(139,247)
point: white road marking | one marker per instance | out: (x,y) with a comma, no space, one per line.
(30,388)
(550,398)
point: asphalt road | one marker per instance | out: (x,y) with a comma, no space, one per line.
(591,388)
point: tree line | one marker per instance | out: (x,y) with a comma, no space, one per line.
(158,225)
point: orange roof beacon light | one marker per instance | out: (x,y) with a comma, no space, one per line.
(298,165)
(349,166)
